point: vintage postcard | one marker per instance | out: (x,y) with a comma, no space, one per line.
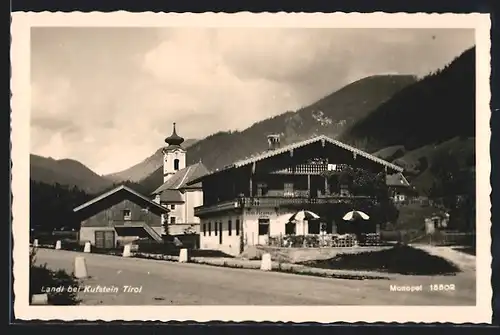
(251,167)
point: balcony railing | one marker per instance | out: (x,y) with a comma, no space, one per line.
(272,202)
(313,169)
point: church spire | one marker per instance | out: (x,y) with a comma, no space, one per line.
(174,139)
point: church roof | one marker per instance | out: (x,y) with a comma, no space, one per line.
(171,196)
(174,140)
(180,180)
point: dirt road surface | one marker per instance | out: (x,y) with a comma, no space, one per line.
(169,283)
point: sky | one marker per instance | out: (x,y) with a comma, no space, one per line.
(107,97)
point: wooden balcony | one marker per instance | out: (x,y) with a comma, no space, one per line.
(311,169)
(273,202)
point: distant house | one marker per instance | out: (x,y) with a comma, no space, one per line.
(175,193)
(119,215)
(399,187)
(250,201)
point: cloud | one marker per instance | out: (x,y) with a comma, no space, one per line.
(108,96)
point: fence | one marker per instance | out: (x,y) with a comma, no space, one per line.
(325,241)
(451,238)
(190,241)
(401,236)
(51,237)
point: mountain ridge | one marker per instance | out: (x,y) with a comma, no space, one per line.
(144,168)
(66,171)
(328,116)
(438,120)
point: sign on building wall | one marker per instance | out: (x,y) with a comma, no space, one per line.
(267,213)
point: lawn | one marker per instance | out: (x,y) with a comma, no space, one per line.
(399,259)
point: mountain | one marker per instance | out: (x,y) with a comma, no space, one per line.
(423,122)
(329,116)
(143,169)
(66,172)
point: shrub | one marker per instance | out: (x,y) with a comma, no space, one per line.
(42,278)
(153,247)
(72,246)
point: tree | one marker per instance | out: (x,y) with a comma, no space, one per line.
(454,188)
(362,182)
(51,206)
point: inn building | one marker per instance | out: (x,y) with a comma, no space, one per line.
(252,200)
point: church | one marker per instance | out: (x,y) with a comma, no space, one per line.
(123,215)
(176,193)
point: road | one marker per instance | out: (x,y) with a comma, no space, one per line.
(170,283)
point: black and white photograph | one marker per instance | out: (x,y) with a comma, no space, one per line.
(208,162)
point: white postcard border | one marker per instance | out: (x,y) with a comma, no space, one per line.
(20,83)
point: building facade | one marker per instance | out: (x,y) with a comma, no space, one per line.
(400,188)
(175,193)
(119,216)
(252,200)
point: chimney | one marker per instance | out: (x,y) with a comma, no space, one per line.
(274,141)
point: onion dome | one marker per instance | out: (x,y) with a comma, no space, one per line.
(174,140)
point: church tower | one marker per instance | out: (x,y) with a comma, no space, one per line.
(174,156)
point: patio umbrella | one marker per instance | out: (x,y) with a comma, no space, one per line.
(304,215)
(353,215)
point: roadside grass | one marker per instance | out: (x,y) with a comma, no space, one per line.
(153,248)
(279,267)
(42,279)
(400,259)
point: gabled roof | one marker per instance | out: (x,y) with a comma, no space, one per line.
(116,190)
(296,145)
(397,179)
(181,179)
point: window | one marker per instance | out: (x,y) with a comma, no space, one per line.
(172,220)
(176,164)
(210,229)
(344,190)
(263,227)
(127,215)
(229,228)
(288,189)
(215,229)
(261,189)
(290,228)
(204,229)
(172,207)
(237,227)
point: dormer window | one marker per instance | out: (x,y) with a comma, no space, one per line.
(127,215)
